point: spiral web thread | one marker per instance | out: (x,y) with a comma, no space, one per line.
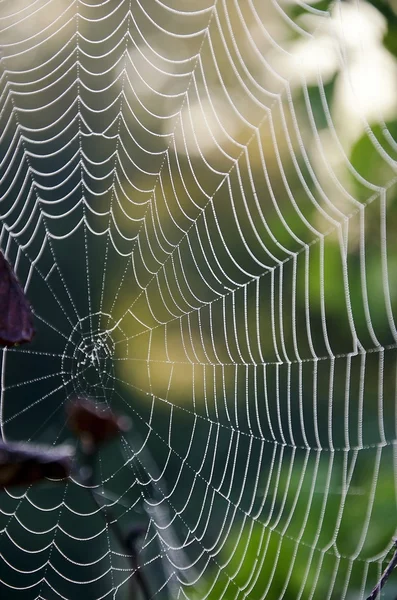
(202,255)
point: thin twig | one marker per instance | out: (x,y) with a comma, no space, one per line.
(385,575)
(111,521)
(129,543)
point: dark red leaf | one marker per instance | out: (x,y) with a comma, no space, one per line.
(23,464)
(16,318)
(94,423)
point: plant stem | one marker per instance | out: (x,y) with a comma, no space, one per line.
(111,522)
(385,575)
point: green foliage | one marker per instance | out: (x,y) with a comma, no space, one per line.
(298,10)
(368,156)
(390,38)
(313,527)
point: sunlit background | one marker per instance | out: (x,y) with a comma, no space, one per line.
(200,200)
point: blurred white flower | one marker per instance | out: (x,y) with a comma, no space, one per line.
(347,44)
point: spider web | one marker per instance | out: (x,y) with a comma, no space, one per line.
(203,254)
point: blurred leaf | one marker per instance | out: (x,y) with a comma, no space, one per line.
(367,159)
(390,38)
(302,9)
(24,464)
(16,318)
(94,423)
